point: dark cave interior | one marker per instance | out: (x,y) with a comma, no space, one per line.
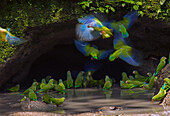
(62,58)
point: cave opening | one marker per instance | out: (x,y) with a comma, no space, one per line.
(61,58)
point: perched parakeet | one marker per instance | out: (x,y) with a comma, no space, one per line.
(58,101)
(8,37)
(167,80)
(47,78)
(124,77)
(161,94)
(43,83)
(150,85)
(161,65)
(15,88)
(79,79)
(122,25)
(124,51)
(32,95)
(60,87)
(46,98)
(108,83)
(69,79)
(137,75)
(90,28)
(136,83)
(91,50)
(33,87)
(124,85)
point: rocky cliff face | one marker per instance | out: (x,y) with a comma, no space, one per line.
(53,46)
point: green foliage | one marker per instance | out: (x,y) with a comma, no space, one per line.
(6,51)
(158,9)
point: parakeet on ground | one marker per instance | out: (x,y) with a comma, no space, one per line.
(124,85)
(150,85)
(23,99)
(90,28)
(91,50)
(58,101)
(124,77)
(136,83)
(33,87)
(46,98)
(69,79)
(108,83)
(79,79)
(60,87)
(15,88)
(47,87)
(32,95)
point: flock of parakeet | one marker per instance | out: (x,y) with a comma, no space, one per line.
(147,82)
(6,36)
(90,28)
(48,84)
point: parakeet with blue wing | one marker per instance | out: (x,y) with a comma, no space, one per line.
(8,37)
(124,51)
(91,50)
(122,25)
(90,28)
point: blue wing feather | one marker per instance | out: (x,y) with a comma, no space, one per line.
(105,54)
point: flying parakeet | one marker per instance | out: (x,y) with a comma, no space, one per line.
(124,51)
(69,79)
(124,77)
(124,85)
(60,87)
(15,88)
(8,37)
(91,50)
(90,28)
(32,95)
(58,101)
(79,79)
(46,98)
(122,25)
(161,65)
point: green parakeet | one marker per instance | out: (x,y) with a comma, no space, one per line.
(161,65)
(150,85)
(108,83)
(169,58)
(47,87)
(124,77)
(91,28)
(124,85)
(161,94)
(33,87)
(60,87)
(91,50)
(46,98)
(15,88)
(23,99)
(136,83)
(131,77)
(43,82)
(69,80)
(58,101)
(32,95)
(101,83)
(79,79)
(47,78)
(167,80)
